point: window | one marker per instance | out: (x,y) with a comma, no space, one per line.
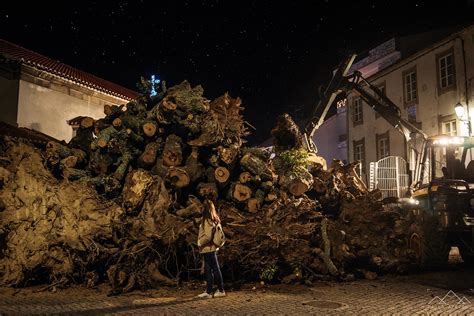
(446,71)
(342,141)
(357,115)
(410,90)
(359,152)
(382,89)
(449,128)
(411,111)
(383,145)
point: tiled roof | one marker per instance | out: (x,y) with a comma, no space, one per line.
(26,56)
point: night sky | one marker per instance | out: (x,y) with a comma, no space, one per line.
(274,55)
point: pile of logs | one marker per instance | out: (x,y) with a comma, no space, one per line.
(122,201)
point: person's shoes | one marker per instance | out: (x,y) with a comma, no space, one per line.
(204,295)
(220,294)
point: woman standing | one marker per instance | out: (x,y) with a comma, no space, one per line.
(208,249)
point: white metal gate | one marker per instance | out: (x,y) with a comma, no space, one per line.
(390,176)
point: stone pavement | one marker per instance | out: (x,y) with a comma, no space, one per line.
(427,294)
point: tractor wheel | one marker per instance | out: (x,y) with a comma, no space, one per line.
(429,246)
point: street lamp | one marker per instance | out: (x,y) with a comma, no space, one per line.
(459,110)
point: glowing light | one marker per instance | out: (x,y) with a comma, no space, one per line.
(154,82)
(449,141)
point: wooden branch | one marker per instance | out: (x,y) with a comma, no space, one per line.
(326,255)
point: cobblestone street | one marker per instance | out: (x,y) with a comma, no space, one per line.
(415,294)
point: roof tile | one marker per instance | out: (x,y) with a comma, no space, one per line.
(39,61)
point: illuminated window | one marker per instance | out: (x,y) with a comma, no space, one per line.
(411,111)
(383,145)
(357,115)
(359,152)
(409,87)
(449,128)
(446,71)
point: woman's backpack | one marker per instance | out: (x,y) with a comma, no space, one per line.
(218,237)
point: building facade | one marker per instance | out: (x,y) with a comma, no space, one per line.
(426,83)
(43,94)
(331,137)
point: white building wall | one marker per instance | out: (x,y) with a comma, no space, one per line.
(329,138)
(47,106)
(432,107)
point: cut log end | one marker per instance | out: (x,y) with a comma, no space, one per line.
(253,205)
(171,160)
(241,193)
(245,177)
(87,122)
(272,196)
(102,143)
(207,190)
(298,187)
(117,122)
(178,177)
(149,129)
(168,104)
(221,175)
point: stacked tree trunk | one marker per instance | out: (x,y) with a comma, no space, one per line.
(151,163)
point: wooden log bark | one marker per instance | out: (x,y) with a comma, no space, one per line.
(135,189)
(326,254)
(148,158)
(74,174)
(253,205)
(83,139)
(193,209)
(131,121)
(68,162)
(122,168)
(99,162)
(207,190)
(87,122)
(297,181)
(172,153)
(160,169)
(104,137)
(194,168)
(229,154)
(256,166)
(134,137)
(55,152)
